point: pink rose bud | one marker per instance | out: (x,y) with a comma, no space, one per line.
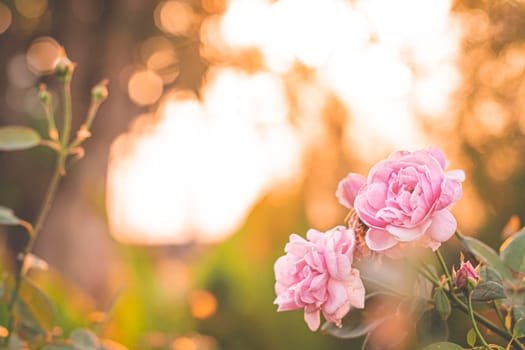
(316,274)
(466,275)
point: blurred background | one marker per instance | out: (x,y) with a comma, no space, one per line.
(228,127)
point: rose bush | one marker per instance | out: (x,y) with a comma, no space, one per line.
(317,274)
(406,198)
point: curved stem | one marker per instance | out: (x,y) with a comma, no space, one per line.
(473,320)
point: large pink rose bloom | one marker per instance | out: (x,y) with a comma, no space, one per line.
(316,274)
(406,198)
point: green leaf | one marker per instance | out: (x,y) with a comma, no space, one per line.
(442,304)
(14,138)
(354,326)
(519,328)
(518,312)
(443,346)
(486,291)
(33,308)
(487,255)
(471,337)
(512,252)
(7,217)
(431,328)
(84,339)
(487,273)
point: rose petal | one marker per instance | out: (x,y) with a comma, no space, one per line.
(379,240)
(356,291)
(348,189)
(443,226)
(406,234)
(439,155)
(336,296)
(312,318)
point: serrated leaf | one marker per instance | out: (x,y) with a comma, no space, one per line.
(8,217)
(512,252)
(442,304)
(84,339)
(518,330)
(33,308)
(486,291)
(443,346)
(471,337)
(487,255)
(14,138)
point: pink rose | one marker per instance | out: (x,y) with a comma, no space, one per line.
(316,274)
(406,198)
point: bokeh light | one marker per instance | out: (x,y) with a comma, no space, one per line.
(184,343)
(174,17)
(197,169)
(145,87)
(42,55)
(5,18)
(203,304)
(31,8)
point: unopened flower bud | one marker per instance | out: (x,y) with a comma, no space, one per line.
(467,275)
(44,95)
(99,93)
(63,65)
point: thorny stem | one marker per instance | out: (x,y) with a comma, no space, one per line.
(473,320)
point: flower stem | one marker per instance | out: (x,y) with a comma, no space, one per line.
(473,320)
(445,268)
(44,210)
(66,100)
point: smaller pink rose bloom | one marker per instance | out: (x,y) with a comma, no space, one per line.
(316,274)
(406,198)
(466,275)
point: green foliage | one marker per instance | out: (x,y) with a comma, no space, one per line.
(33,308)
(443,346)
(512,252)
(355,325)
(8,217)
(432,328)
(487,255)
(487,291)
(442,303)
(518,330)
(84,339)
(14,138)
(471,337)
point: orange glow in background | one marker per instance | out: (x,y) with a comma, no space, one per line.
(194,169)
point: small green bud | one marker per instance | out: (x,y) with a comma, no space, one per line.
(44,95)
(99,93)
(63,65)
